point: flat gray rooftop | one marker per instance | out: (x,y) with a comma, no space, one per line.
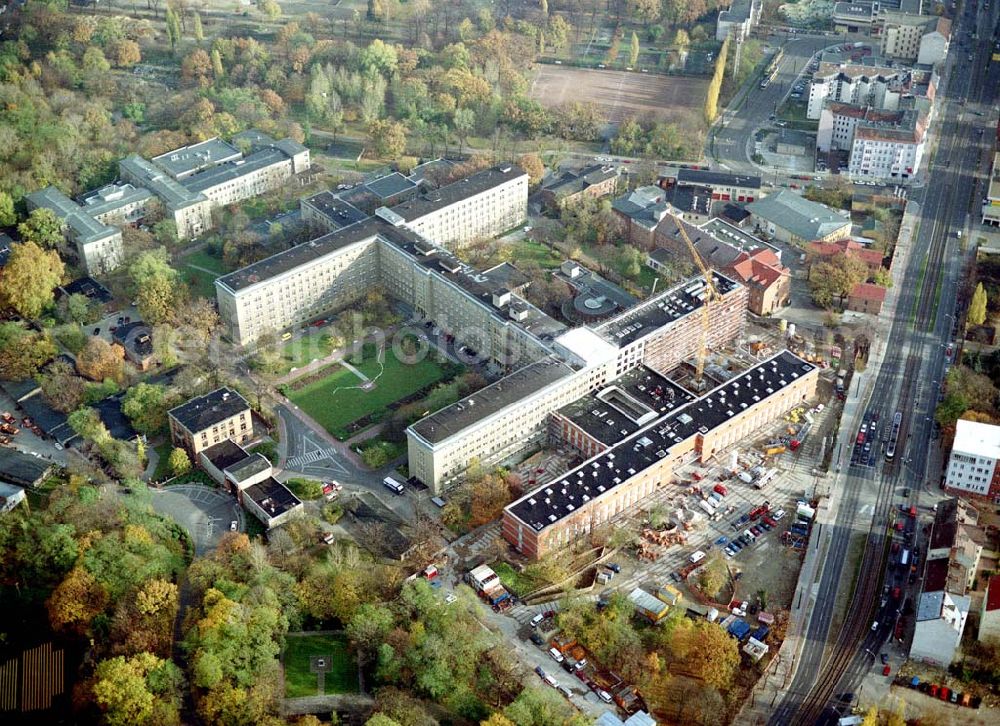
(609,416)
(307,252)
(478,183)
(667,307)
(229,170)
(490,400)
(187,160)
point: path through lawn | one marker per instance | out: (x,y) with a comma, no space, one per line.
(338,400)
(341,670)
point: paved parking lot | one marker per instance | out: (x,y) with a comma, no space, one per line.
(206,513)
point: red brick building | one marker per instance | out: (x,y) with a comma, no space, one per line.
(568,508)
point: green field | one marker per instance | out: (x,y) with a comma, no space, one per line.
(527,250)
(306,347)
(202,283)
(299,681)
(334,410)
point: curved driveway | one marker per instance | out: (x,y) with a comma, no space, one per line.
(205,513)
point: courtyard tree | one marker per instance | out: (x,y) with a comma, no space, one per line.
(100,360)
(533,167)
(29,279)
(23,351)
(61,387)
(7,214)
(146,405)
(42,227)
(633,54)
(179,462)
(977,308)
(156,285)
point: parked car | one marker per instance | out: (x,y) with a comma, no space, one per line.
(556,655)
(537,639)
(614,567)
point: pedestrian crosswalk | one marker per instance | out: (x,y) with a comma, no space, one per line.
(310,457)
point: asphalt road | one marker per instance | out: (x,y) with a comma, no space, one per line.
(733,139)
(944,208)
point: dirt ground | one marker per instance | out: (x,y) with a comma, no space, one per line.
(621,94)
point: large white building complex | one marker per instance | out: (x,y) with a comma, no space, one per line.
(546,365)
(188,183)
(390,249)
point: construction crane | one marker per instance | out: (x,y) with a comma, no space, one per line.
(711,295)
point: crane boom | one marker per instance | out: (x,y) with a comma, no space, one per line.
(711,295)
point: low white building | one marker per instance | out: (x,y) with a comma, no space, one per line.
(940,623)
(991,203)
(10,496)
(972,466)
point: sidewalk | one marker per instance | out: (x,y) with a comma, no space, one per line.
(771,686)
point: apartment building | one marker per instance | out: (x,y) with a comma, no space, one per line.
(208,420)
(922,39)
(991,202)
(299,284)
(98,245)
(640,211)
(486,204)
(614,481)
(511,416)
(889,149)
(495,423)
(734,252)
(880,87)
(664,330)
(953,551)
(972,466)
(989,615)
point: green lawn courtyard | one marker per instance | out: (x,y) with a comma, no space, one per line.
(200,270)
(531,251)
(306,347)
(303,652)
(336,409)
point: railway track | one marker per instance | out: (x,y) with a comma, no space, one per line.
(865,599)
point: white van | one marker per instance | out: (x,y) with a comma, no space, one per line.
(392,485)
(697,557)
(537,620)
